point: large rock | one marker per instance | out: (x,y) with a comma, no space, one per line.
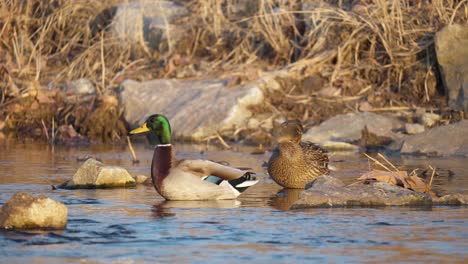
(149,23)
(327,191)
(348,128)
(24,211)
(441,141)
(195,108)
(452,54)
(94,174)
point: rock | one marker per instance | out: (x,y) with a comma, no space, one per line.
(82,86)
(24,211)
(339,146)
(440,141)
(141,179)
(149,23)
(94,174)
(348,128)
(413,129)
(332,193)
(451,199)
(452,52)
(429,119)
(195,108)
(325,181)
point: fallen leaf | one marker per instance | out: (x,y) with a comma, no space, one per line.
(399,178)
(393,177)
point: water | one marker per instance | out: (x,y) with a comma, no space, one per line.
(136,225)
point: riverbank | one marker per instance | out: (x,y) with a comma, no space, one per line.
(65,64)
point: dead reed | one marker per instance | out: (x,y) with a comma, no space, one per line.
(375,51)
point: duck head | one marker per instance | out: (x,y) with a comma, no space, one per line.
(290,131)
(158,125)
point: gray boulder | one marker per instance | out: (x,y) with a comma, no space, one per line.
(327,191)
(348,128)
(440,141)
(196,108)
(452,54)
(94,174)
(149,23)
(24,211)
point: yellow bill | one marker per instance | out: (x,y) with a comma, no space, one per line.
(143,128)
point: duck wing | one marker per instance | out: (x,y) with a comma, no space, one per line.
(313,153)
(220,174)
(204,168)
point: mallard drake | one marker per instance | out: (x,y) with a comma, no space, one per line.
(190,179)
(293,163)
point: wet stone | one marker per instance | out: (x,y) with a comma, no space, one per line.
(94,174)
(451,199)
(327,191)
(24,211)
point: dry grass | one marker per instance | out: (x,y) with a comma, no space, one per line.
(46,44)
(378,51)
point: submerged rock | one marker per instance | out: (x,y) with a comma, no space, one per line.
(94,174)
(439,141)
(348,128)
(196,108)
(327,191)
(24,211)
(452,52)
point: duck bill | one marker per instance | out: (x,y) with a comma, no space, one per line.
(143,128)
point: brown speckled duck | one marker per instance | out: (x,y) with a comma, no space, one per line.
(190,179)
(293,163)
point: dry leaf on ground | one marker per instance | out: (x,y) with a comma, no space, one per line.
(399,178)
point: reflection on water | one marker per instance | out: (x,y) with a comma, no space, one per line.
(285,198)
(200,204)
(136,225)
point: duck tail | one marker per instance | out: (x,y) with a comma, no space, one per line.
(240,184)
(245,181)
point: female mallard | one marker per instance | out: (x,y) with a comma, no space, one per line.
(293,163)
(190,179)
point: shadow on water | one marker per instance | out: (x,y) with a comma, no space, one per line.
(137,225)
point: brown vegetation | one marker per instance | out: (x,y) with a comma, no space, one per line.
(340,55)
(397,177)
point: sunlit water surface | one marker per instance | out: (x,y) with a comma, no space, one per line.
(136,225)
